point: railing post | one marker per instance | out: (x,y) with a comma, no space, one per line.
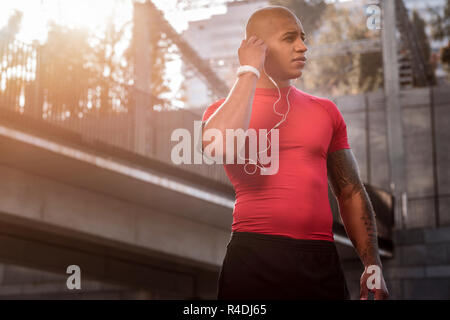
(393,108)
(37,99)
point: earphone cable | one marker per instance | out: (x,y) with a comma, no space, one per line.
(284,116)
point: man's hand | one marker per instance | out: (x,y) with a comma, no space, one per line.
(372,280)
(253,52)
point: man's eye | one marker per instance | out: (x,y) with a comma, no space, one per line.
(292,39)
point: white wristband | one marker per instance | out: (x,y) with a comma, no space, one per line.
(247,68)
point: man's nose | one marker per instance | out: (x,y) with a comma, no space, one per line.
(301,46)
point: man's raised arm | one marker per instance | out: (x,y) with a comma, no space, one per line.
(235,112)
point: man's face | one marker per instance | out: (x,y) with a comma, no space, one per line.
(285,45)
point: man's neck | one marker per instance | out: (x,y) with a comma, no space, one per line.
(266,83)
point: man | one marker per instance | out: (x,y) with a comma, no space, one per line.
(282,245)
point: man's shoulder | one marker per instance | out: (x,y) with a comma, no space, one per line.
(212,107)
(217,102)
(215,105)
(327,102)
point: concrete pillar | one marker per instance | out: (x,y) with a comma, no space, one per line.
(143,34)
(393,109)
(37,97)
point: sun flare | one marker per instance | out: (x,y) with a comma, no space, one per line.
(91,14)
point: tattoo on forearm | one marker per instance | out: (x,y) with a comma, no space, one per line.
(345,180)
(369,252)
(343,173)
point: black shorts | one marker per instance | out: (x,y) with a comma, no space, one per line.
(262,266)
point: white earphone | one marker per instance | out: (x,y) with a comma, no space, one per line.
(284,116)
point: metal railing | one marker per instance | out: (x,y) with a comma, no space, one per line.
(71,96)
(41,89)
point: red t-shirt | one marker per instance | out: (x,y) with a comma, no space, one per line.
(294,201)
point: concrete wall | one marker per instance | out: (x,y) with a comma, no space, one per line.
(49,225)
(420,268)
(19,282)
(366,123)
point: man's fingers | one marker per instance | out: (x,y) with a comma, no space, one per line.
(251,39)
(381,295)
(259,41)
(378,295)
(364,291)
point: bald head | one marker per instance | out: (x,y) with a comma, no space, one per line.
(265,22)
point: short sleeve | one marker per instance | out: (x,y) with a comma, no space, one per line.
(206,114)
(211,109)
(339,139)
